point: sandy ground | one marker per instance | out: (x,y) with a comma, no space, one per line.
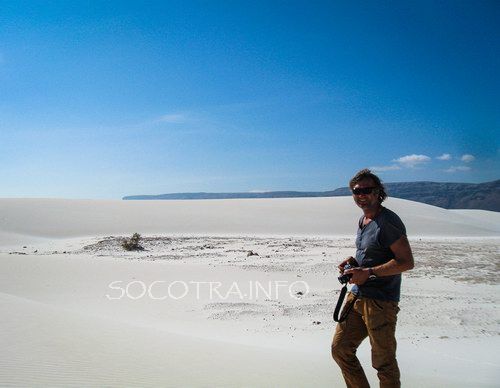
(230,308)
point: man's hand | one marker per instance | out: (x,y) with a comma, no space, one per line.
(359,275)
(350,260)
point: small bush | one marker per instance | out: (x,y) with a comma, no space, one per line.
(132,243)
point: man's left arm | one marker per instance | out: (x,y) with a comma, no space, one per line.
(403,261)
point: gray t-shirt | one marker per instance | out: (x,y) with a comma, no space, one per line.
(372,249)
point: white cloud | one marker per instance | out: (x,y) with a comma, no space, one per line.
(413,160)
(467,158)
(385,168)
(457,169)
(444,157)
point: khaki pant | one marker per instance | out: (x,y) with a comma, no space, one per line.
(375,319)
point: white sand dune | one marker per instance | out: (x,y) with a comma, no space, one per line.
(59,328)
(484,218)
(294,216)
(49,346)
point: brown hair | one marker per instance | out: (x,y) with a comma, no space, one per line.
(367,174)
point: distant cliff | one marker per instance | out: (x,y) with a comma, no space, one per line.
(485,196)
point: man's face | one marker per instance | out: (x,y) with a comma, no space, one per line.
(366,201)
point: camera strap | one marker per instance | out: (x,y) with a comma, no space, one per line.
(348,308)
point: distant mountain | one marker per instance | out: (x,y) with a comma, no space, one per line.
(485,196)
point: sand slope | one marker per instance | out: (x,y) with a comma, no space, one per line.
(290,216)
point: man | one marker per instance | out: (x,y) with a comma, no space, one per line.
(382,254)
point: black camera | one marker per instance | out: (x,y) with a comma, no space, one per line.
(344,278)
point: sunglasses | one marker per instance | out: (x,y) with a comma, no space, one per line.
(363,190)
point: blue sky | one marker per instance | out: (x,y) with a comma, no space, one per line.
(106,99)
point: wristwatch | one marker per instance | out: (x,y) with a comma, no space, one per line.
(371,275)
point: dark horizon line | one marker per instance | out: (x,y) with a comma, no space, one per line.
(293,191)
